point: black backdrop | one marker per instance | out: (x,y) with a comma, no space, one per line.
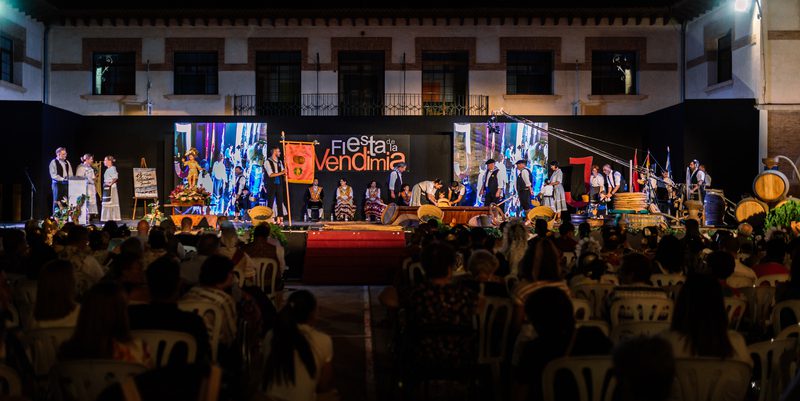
(721,133)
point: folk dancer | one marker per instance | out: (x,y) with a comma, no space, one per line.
(396,182)
(275,184)
(493,184)
(650,183)
(424,193)
(60,171)
(241,194)
(219,173)
(665,192)
(524,186)
(557,201)
(613,185)
(110,211)
(373,205)
(345,208)
(596,183)
(696,181)
(313,199)
(405,196)
(86,170)
(455,194)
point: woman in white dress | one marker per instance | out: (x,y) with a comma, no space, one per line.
(558,201)
(86,170)
(110,194)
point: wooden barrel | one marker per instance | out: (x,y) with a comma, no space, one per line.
(749,208)
(771,186)
(785,201)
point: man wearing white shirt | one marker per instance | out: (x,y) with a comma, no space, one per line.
(275,184)
(424,193)
(220,174)
(696,178)
(60,171)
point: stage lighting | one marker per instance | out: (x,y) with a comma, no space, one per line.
(741,5)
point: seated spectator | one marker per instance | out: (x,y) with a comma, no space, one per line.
(721,264)
(589,270)
(187,236)
(700,324)
(77,252)
(264,246)
(230,246)
(162,313)
(566,237)
(39,252)
(14,251)
(128,271)
(103,330)
(772,262)
(539,268)
(481,278)
(132,247)
(142,230)
(613,246)
(98,243)
(56,307)
(550,312)
(207,245)
(298,357)
(740,270)
(156,247)
(645,369)
(174,247)
(437,304)
(634,279)
(515,243)
(216,279)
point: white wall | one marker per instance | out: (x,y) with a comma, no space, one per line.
(29,87)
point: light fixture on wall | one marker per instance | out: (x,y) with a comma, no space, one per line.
(743,6)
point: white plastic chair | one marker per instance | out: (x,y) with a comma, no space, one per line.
(10,384)
(609,279)
(596,294)
(42,347)
(792,331)
(760,301)
(600,324)
(739,281)
(629,330)
(640,309)
(266,278)
(790,305)
(494,321)
(735,308)
(24,294)
(703,379)
(161,344)
(591,373)
(511,281)
(212,316)
(582,309)
(416,274)
(772,280)
(85,379)
(568,260)
(667,280)
(776,362)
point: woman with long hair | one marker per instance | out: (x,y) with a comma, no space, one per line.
(103,330)
(539,268)
(56,307)
(515,243)
(298,362)
(373,205)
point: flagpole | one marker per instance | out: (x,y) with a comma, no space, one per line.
(286,179)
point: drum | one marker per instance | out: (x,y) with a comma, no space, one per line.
(714,207)
(771,186)
(389,214)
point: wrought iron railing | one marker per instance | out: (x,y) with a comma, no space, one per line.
(392,104)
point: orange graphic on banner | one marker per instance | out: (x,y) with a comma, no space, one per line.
(299,161)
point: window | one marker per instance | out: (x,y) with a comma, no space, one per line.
(278,83)
(114,73)
(196,73)
(361,83)
(6,59)
(529,73)
(724,58)
(444,83)
(614,73)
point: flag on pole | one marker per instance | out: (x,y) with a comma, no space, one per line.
(299,161)
(647,161)
(669,166)
(635,173)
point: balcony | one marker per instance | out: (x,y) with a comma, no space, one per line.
(394,104)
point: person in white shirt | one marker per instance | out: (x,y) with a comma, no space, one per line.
(613,185)
(596,183)
(396,182)
(524,185)
(424,193)
(706,176)
(275,184)
(298,356)
(60,171)
(110,209)
(219,174)
(695,178)
(456,193)
(86,170)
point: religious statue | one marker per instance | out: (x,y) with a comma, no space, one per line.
(194,168)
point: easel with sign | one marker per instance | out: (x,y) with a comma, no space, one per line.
(144,187)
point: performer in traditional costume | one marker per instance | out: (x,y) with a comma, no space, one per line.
(110,210)
(524,186)
(241,193)
(219,173)
(313,199)
(493,184)
(194,168)
(345,209)
(696,181)
(614,183)
(557,201)
(455,194)
(405,196)
(60,171)
(596,183)
(665,192)
(276,186)
(86,170)
(424,193)
(373,205)
(396,182)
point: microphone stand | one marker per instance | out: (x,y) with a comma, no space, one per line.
(33,189)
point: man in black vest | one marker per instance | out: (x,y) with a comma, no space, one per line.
(524,186)
(60,171)
(396,182)
(276,186)
(491,184)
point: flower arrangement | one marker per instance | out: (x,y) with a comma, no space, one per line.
(186,195)
(65,212)
(783,216)
(155,215)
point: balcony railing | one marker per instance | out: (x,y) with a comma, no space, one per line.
(393,104)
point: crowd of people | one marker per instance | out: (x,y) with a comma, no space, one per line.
(107,283)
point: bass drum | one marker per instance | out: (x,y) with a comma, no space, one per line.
(389,214)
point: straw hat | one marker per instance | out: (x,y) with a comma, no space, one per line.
(426,212)
(260,214)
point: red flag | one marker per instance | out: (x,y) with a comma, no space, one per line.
(299,161)
(635,173)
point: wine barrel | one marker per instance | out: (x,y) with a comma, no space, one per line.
(748,208)
(714,207)
(577,219)
(771,186)
(783,202)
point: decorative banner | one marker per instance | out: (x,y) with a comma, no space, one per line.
(145,184)
(299,161)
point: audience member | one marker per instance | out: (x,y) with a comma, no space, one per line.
(515,243)
(645,369)
(56,307)
(634,279)
(187,236)
(207,245)
(156,247)
(77,252)
(482,266)
(98,243)
(721,264)
(216,278)
(772,262)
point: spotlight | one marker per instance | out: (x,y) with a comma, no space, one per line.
(741,5)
